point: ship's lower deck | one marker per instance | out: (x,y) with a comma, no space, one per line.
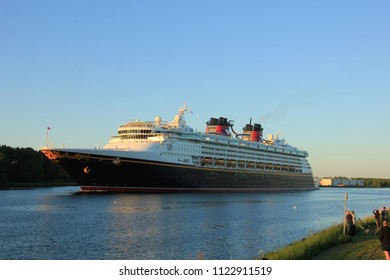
(104,173)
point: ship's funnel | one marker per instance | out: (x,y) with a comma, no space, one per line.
(257,133)
(218,126)
(252,132)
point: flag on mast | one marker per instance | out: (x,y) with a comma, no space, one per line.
(47,136)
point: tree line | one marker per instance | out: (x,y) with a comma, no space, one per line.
(376,182)
(26,165)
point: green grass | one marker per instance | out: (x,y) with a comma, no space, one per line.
(332,244)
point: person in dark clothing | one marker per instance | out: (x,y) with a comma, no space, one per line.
(353,227)
(348,218)
(384,214)
(384,237)
(377,219)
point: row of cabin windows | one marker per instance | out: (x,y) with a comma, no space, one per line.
(137,136)
(256,153)
(135,131)
(275,159)
(268,157)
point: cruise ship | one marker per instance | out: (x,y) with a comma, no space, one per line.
(160,156)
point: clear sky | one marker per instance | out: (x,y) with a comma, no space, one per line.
(318,71)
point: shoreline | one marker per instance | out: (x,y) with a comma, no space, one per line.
(332,244)
(54,183)
(354,187)
(71,183)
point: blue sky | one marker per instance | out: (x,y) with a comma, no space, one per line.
(318,71)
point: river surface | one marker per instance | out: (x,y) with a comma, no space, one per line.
(64,223)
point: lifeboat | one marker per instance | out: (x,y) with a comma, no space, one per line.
(259,165)
(207,161)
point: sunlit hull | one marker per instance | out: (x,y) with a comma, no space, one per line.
(94,172)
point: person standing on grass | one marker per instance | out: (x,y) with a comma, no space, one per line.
(384,237)
(353,226)
(377,219)
(384,214)
(348,218)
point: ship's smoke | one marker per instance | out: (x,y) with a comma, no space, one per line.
(277,114)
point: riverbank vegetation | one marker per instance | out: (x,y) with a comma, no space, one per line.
(332,244)
(25,167)
(376,182)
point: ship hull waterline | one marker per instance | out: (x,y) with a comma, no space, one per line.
(110,174)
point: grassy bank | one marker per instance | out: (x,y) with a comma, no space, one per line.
(331,244)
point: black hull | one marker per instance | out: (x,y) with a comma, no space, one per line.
(104,173)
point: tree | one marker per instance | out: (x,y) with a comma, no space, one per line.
(25,165)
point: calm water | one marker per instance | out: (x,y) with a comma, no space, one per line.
(63,223)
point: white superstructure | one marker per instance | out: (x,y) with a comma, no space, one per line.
(175,142)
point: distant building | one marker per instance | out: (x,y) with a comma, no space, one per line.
(336,182)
